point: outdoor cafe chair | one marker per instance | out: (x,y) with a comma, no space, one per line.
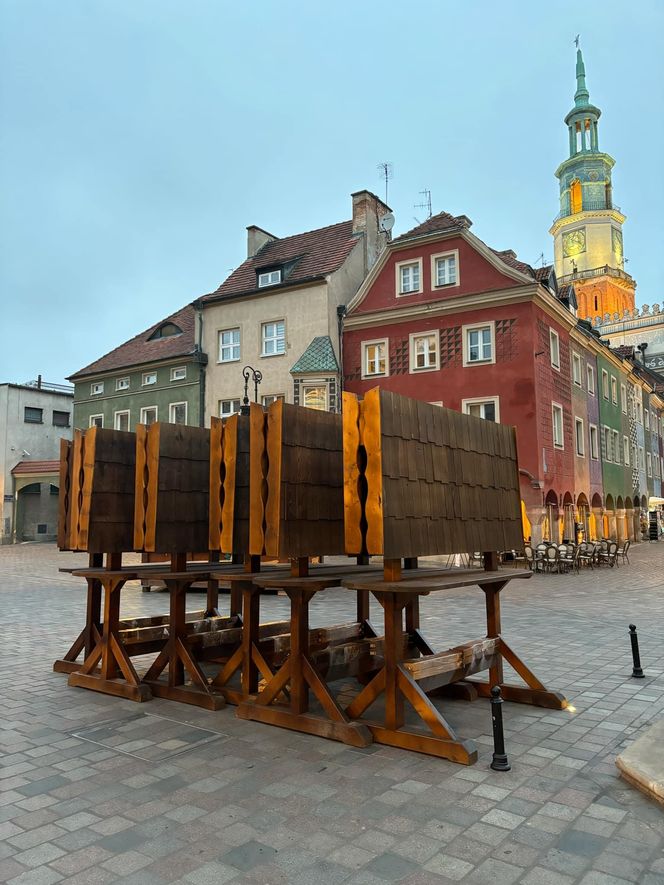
(552,559)
(622,551)
(586,554)
(610,555)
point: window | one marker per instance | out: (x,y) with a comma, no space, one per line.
(409,277)
(96,388)
(149,378)
(635,456)
(274,338)
(149,415)
(576,369)
(642,463)
(444,269)
(614,391)
(166,330)
(594,448)
(607,444)
(121,420)
(270,398)
(590,375)
(374,358)
(122,384)
(60,419)
(649,464)
(605,384)
(646,418)
(179,373)
(626,451)
(424,351)
(314,396)
(478,344)
(554,345)
(269,278)
(229,345)
(228,407)
(96,421)
(623,399)
(32,415)
(616,447)
(177,413)
(557,421)
(580,437)
(487,408)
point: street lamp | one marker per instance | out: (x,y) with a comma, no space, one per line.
(256,376)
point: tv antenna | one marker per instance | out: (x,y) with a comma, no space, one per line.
(426,193)
(385,171)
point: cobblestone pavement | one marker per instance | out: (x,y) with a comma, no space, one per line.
(163,792)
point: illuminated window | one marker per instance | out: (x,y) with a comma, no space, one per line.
(575,198)
(314,396)
(374,358)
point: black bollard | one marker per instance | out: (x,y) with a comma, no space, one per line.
(637,672)
(500,761)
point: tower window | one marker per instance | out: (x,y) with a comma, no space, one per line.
(575,197)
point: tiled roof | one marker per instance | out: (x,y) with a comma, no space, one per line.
(318,357)
(313,255)
(27,467)
(542,274)
(509,258)
(437,223)
(141,350)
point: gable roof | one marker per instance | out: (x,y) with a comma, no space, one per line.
(25,468)
(437,223)
(318,357)
(313,255)
(141,349)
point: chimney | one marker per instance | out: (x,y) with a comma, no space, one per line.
(368,209)
(256,239)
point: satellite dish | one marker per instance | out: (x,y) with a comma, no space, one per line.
(386,222)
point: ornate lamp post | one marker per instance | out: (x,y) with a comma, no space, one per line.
(256,376)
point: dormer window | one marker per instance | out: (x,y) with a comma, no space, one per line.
(269,277)
(166,330)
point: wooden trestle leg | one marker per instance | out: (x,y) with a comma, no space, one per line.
(299,675)
(109,654)
(90,635)
(396,684)
(177,656)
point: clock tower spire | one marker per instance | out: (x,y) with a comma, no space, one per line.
(587,232)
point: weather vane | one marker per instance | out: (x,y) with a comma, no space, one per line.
(576,40)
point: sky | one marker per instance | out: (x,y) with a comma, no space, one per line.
(139,138)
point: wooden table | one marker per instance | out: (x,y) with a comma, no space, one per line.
(400,679)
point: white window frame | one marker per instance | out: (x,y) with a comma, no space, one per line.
(590,379)
(270,278)
(413,368)
(122,383)
(608,443)
(221,347)
(452,253)
(649,465)
(578,422)
(646,419)
(145,409)
(614,390)
(616,447)
(594,441)
(409,263)
(274,338)
(126,412)
(92,421)
(313,385)
(555,408)
(268,398)
(233,411)
(623,398)
(577,370)
(642,459)
(148,383)
(473,327)
(606,391)
(626,450)
(171,410)
(363,346)
(438,402)
(175,376)
(481,400)
(96,388)
(554,337)
(635,456)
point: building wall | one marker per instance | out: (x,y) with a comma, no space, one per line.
(42,441)
(138,396)
(616,477)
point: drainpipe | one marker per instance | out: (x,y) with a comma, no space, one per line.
(341,313)
(201,369)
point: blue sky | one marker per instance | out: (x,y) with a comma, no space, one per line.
(140,138)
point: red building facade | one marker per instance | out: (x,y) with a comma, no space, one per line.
(444,318)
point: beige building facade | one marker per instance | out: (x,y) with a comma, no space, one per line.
(279,311)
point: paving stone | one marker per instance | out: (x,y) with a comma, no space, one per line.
(248,855)
(449,866)
(391,866)
(213,873)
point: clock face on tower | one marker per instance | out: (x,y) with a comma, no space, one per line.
(616,237)
(574,242)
